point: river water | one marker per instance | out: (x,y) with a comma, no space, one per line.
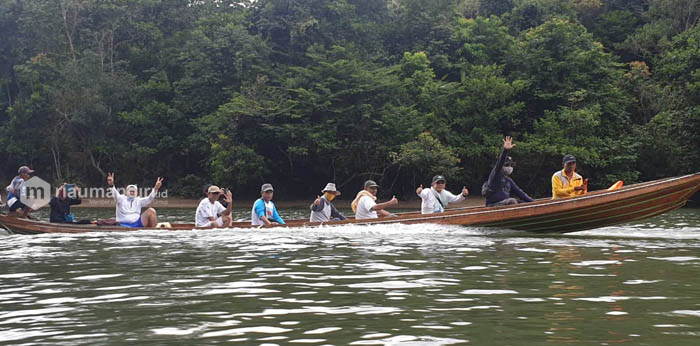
(360,285)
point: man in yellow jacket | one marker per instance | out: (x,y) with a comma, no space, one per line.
(568,183)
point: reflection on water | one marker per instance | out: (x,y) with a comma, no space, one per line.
(358,285)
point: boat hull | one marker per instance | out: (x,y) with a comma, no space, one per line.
(594,210)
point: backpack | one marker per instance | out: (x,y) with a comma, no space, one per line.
(485,190)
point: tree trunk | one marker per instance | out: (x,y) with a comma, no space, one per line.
(96,164)
(56,161)
(64,14)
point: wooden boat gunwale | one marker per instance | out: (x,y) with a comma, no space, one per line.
(528,206)
(671,193)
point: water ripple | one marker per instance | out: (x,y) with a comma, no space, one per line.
(374,285)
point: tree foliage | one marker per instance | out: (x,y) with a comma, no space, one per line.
(300,92)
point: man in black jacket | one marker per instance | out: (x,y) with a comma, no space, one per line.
(60,204)
(500,186)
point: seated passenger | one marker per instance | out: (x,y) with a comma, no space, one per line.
(365,206)
(211,213)
(436,198)
(323,210)
(14,191)
(129,205)
(60,204)
(568,183)
(264,211)
(500,187)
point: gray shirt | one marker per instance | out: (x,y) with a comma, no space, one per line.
(325,212)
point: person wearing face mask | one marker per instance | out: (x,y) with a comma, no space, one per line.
(323,210)
(129,205)
(499,188)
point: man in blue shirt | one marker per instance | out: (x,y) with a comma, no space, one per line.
(500,186)
(264,211)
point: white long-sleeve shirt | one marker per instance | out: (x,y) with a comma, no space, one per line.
(430,202)
(129,209)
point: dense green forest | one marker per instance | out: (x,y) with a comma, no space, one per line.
(302,92)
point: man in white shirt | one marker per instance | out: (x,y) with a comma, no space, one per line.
(365,205)
(211,213)
(129,205)
(15,190)
(436,198)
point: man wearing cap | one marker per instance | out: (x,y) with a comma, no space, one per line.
(264,211)
(365,206)
(499,188)
(15,189)
(211,213)
(129,206)
(568,183)
(323,210)
(436,198)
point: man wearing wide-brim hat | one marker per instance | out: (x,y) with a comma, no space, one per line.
(323,210)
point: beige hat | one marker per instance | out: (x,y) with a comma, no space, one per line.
(214,189)
(266,187)
(330,187)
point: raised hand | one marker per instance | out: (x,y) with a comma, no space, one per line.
(318,200)
(394,200)
(508,143)
(60,189)
(465,192)
(229,197)
(159,183)
(110,178)
(419,189)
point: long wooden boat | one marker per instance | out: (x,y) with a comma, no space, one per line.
(593,210)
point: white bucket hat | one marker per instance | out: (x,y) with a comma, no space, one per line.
(330,187)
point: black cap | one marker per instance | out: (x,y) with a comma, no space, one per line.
(509,161)
(370,183)
(438,178)
(568,158)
